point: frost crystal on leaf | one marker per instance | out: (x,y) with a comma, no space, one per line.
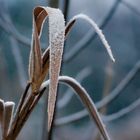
(56,41)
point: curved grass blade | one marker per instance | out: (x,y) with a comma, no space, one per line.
(97,29)
(39,64)
(87,101)
(56,42)
(35,60)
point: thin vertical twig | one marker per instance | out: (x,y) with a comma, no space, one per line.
(66,9)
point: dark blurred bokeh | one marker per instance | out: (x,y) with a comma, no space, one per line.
(84,58)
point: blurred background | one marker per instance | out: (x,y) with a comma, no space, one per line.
(115,87)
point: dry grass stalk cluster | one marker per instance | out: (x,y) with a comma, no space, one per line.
(48,63)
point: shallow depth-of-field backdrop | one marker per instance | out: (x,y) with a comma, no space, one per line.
(84,58)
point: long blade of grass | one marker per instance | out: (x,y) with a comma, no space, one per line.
(54,54)
(97,29)
(56,41)
(8,115)
(38,68)
(35,61)
(87,101)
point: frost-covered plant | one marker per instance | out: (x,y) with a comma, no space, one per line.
(42,64)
